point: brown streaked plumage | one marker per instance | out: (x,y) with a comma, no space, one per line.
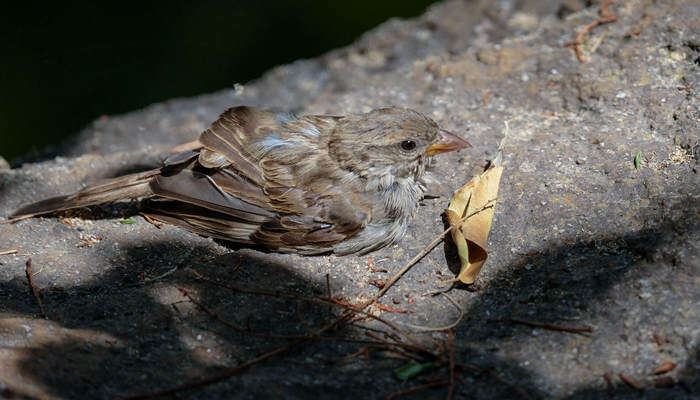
(311,184)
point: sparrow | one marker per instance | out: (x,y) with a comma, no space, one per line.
(313,184)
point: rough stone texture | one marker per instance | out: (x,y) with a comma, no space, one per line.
(581,237)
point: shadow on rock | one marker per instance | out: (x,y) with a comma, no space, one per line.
(126,334)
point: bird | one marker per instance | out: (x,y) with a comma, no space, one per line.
(314,184)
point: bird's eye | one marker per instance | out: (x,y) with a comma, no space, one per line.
(408,145)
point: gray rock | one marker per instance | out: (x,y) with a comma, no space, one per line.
(581,237)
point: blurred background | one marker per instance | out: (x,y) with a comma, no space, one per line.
(65,64)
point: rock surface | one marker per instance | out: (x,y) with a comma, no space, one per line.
(581,236)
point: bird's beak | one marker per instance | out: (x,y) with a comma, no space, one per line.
(447,142)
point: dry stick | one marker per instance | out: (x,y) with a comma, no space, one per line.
(348,306)
(6,252)
(442,328)
(415,344)
(221,375)
(389,309)
(161,276)
(607,17)
(151,220)
(422,254)
(231,371)
(551,327)
(228,372)
(216,316)
(630,382)
(609,384)
(343,303)
(417,348)
(604,11)
(236,328)
(362,351)
(257,292)
(398,330)
(13,220)
(35,291)
(404,351)
(416,389)
(366,328)
(247,331)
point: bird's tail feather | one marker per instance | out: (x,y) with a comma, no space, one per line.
(123,187)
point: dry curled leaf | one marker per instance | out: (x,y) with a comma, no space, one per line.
(471,234)
(470,213)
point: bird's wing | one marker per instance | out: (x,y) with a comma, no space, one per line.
(260,178)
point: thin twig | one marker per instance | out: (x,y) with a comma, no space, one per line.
(418,352)
(210,313)
(606,17)
(398,330)
(551,327)
(420,255)
(13,220)
(364,350)
(405,351)
(389,309)
(442,328)
(151,220)
(217,377)
(630,382)
(258,292)
(6,252)
(161,276)
(35,290)
(237,328)
(247,331)
(604,11)
(228,372)
(609,384)
(348,306)
(350,309)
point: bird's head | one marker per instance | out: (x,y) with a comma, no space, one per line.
(390,144)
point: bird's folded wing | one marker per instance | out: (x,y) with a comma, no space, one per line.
(246,186)
(226,141)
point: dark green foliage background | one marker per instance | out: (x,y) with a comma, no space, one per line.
(66,63)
